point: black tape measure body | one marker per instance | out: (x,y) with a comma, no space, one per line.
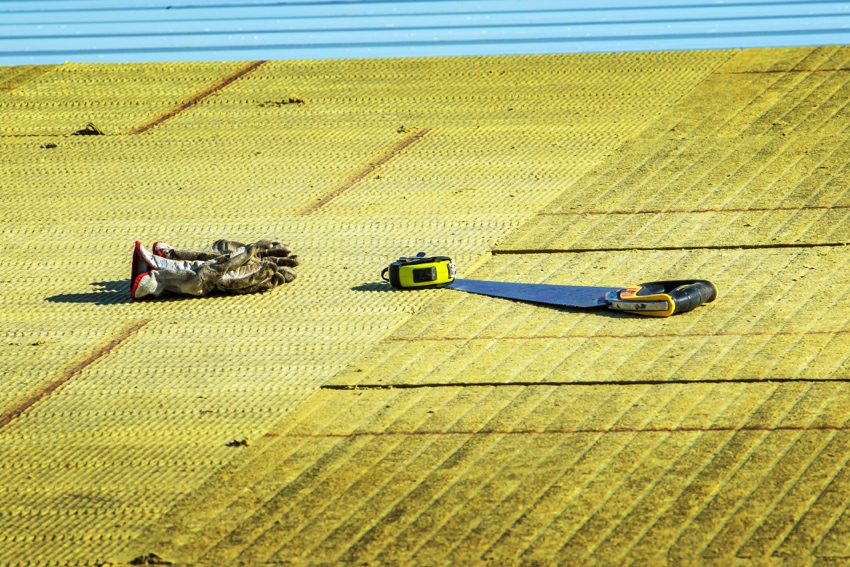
(420,272)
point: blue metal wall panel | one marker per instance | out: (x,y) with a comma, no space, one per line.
(54,31)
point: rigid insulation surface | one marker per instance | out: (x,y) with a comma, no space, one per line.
(336,420)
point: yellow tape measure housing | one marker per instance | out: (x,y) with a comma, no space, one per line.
(420,272)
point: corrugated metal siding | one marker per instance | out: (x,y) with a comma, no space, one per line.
(163,30)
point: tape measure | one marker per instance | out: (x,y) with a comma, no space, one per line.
(420,271)
(657,299)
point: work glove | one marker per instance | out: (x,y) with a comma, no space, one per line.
(247,278)
(224,266)
(221,247)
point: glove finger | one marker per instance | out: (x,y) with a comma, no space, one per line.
(277,251)
(256,288)
(288,274)
(266,244)
(271,283)
(256,248)
(225,246)
(167,251)
(246,276)
(193,255)
(290,261)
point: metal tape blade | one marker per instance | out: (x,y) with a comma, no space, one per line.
(565,295)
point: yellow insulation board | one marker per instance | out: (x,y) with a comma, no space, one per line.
(716,474)
(750,158)
(13,77)
(114,411)
(781,313)
(483,430)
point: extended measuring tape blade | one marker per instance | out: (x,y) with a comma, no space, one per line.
(565,295)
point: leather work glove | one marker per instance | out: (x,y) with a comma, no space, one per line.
(224,266)
(222,247)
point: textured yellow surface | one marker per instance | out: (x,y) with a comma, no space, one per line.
(716,473)
(12,77)
(749,159)
(105,430)
(335,420)
(781,315)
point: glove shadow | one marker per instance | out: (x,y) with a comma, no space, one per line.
(105,293)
